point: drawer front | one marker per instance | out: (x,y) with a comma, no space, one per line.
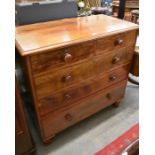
(107,62)
(54,81)
(115,42)
(59,120)
(58,58)
(72,95)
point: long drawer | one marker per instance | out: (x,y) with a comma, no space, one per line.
(42,63)
(54,81)
(71,95)
(63,118)
(115,42)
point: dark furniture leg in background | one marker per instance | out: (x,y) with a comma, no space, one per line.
(134,68)
(121,9)
(24,144)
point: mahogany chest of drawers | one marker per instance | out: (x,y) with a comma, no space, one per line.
(75,67)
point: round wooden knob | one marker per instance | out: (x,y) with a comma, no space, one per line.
(116,59)
(112,78)
(67,77)
(68,117)
(119,42)
(68,57)
(67,96)
(108,96)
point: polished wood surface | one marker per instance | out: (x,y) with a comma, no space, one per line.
(54,81)
(34,38)
(63,57)
(23,141)
(114,59)
(75,67)
(115,42)
(67,96)
(81,109)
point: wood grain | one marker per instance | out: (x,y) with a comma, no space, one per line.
(75,67)
(51,60)
(54,81)
(107,44)
(42,37)
(71,95)
(81,110)
(113,59)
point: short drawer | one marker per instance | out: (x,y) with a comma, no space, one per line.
(63,78)
(61,119)
(114,42)
(71,95)
(58,58)
(112,60)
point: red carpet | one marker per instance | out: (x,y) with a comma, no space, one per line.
(118,145)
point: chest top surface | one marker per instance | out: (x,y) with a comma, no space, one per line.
(50,35)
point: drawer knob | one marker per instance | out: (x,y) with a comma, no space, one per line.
(112,78)
(68,57)
(116,59)
(67,96)
(67,77)
(119,42)
(108,96)
(68,117)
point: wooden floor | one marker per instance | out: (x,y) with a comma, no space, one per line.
(92,134)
